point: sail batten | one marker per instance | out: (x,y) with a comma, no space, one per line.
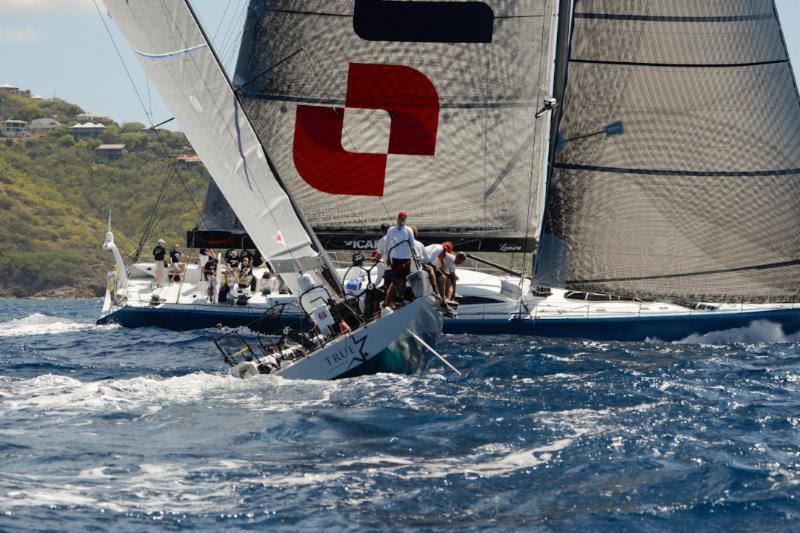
(696,196)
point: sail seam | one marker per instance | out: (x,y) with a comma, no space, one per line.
(677,172)
(764,266)
(672,18)
(679,65)
(348,15)
(342,103)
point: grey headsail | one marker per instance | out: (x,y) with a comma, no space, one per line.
(217,213)
(370,107)
(676,169)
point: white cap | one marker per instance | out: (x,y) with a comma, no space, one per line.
(162,241)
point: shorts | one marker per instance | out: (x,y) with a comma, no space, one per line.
(436,270)
(400,269)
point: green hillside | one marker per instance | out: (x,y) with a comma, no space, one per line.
(56,194)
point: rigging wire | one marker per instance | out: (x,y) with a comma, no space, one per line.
(221,20)
(148,227)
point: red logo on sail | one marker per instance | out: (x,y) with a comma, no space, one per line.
(413,105)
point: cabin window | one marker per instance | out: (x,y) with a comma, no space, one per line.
(475,300)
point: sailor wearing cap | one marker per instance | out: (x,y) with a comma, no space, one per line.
(159,258)
(397,252)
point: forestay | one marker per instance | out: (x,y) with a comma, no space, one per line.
(181,64)
(695,196)
(370,107)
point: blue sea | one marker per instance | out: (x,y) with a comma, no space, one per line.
(109,428)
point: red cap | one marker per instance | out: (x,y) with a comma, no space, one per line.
(448,246)
(402,214)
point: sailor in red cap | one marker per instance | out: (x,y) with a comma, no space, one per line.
(398,249)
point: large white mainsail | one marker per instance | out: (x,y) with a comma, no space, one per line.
(180,62)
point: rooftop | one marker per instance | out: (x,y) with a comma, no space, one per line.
(87,125)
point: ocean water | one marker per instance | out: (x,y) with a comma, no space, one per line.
(105,427)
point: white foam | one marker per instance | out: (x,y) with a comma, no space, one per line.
(759,331)
(39,324)
(63,395)
(492,460)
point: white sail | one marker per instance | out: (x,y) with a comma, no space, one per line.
(179,60)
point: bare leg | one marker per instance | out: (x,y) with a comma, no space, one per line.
(442,286)
(390,296)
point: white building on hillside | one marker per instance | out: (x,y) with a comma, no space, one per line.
(93,117)
(15,128)
(82,131)
(43,124)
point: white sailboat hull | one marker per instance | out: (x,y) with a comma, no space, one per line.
(488,306)
(386,345)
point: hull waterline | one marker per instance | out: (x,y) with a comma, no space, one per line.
(619,328)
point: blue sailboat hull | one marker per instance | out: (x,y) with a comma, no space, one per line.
(630,328)
(619,328)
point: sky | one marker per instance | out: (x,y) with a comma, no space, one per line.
(62,48)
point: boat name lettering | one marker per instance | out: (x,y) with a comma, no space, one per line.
(506,247)
(361,244)
(341,356)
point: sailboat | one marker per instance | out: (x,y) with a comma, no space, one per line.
(367,122)
(663,196)
(343,340)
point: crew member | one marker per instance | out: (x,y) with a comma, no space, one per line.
(232,258)
(398,251)
(378,252)
(248,254)
(202,258)
(436,254)
(245,276)
(450,263)
(210,274)
(177,266)
(159,258)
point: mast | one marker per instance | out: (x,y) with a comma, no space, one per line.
(560,72)
(332,276)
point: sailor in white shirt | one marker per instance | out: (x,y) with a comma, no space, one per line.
(436,256)
(399,241)
(419,248)
(450,263)
(397,252)
(378,252)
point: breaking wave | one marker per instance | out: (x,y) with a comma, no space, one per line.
(759,331)
(39,324)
